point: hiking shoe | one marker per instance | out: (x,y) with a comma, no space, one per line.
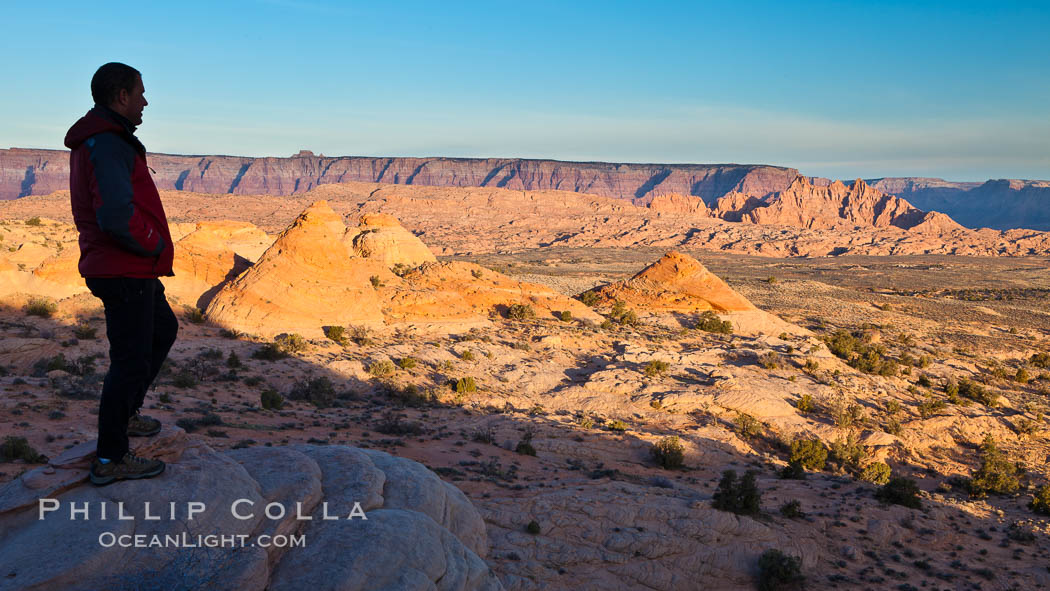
(130,467)
(142,426)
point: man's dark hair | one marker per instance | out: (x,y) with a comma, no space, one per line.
(109,79)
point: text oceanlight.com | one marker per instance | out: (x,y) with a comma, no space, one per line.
(186,540)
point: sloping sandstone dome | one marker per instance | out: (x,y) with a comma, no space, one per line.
(306,279)
(679,283)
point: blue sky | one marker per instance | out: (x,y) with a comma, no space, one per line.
(959,90)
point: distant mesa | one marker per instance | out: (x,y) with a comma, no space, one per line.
(1001,204)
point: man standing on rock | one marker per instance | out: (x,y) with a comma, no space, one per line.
(125,246)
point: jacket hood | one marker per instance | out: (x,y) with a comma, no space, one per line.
(94,122)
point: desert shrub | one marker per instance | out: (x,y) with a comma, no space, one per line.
(290,343)
(656,368)
(194,314)
(876,473)
(860,354)
(41,306)
(520,312)
(777,571)
(589,298)
(320,391)
(391,424)
(411,395)
(233,361)
(741,497)
(747,426)
(230,333)
(524,446)
(995,474)
(668,452)
(770,360)
(792,510)
(617,425)
(809,454)
(811,365)
(925,382)
(335,333)
(585,421)
(34,221)
(977,392)
(893,426)
(1022,376)
(771,280)
(407,362)
(565,316)
(793,471)
(848,452)
(924,361)
(48,364)
(360,336)
(846,414)
(1040,360)
(533,527)
(622,315)
(401,269)
(464,385)
(900,491)
(84,331)
(376,282)
(381,369)
(467,355)
(18,448)
(191,425)
(806,404)
(893,406)
(185,378)
(931,406)
(1041,501)
(710,322)
(269,352)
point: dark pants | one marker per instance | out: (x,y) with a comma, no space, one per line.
(141,328)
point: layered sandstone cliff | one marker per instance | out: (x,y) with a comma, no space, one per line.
(40,172)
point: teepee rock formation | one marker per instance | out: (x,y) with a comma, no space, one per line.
(679,283)
(320,273)
(306,279)
(381,237)
(676,283)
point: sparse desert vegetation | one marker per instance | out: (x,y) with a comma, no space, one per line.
(860,420)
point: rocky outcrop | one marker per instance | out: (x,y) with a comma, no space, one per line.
(674,203)
(806,205)
(320,273)
(41,172)
(676,282)
(306,279)
(679,284)
(368,520)
(212,254)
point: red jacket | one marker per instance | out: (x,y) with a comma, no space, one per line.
(116,207)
